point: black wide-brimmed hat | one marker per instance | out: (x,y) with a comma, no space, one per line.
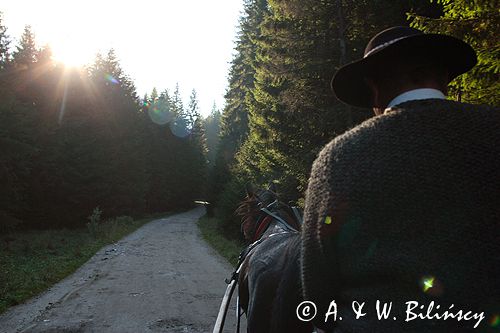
(400,44)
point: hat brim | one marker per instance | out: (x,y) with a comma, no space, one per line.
(349,84)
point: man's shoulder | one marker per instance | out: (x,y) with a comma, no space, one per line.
(413,115)
(413,120)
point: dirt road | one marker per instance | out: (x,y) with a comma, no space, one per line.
(161,278)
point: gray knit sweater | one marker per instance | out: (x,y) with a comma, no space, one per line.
(406,207)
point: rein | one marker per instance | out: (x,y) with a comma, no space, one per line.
(266,221)
(232,284)
(282,222)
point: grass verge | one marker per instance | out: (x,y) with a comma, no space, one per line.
(32,261)
(228,248)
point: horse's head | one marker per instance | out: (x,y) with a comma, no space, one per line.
(250,210)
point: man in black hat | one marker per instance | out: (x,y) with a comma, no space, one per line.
(401,59)
(403,211)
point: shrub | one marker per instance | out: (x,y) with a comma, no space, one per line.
(112,227)
(94,221)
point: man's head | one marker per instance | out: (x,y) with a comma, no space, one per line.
(400,59)
(401,77)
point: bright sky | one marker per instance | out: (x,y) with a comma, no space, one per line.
(158,43)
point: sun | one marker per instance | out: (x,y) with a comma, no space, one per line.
(69,54)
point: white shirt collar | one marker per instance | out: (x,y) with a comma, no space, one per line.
(423,93)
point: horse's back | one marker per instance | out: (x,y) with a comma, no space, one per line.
(272,284)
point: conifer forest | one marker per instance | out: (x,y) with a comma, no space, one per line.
(73,139)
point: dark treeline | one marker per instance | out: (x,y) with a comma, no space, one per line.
(280,110)
(75,139)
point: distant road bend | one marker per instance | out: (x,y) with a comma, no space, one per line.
(161,278)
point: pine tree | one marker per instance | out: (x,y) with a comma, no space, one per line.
(26,54)
(16,161)
(4,44)
(44,56)
(159,150)
(234,127)
(293,113)
(195,124)
(154,95)
(212,131)
(177,105)
(477,23)
(193,111)
(115,126)
(234,121)
(176,160)
(144,103)
(199,166)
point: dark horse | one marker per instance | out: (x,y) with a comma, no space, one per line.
(269,278)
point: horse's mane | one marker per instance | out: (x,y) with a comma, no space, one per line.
(250,210)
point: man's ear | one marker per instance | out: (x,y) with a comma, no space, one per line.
(375,95)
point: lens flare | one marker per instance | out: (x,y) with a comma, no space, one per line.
(428,283)
(495,321)
(62,110)
(159,113)
(432,286)
(179,128)
(110,78)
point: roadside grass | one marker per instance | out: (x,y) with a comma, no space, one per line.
(32,261)
(228,248)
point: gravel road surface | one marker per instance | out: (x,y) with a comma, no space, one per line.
(161,278)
